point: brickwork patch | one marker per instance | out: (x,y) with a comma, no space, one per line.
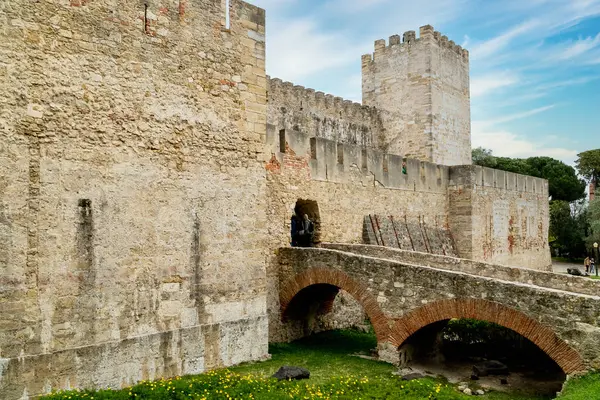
(543,337)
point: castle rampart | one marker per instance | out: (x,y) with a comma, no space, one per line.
(148,170)
(294,107)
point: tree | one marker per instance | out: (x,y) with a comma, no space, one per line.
(588,165)
(483,157)
(594,221)
(563,183)
(568,229)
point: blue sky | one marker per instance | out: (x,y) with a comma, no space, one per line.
(535,64)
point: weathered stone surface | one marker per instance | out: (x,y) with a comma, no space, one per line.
(514,274)
(550,318)
(412,83)
(131,166)
(145,182)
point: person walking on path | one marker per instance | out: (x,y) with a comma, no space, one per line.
(586,264)
(592,265)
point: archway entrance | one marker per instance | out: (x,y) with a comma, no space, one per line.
(313,293)
(310,208)
(486,330)
(482,354)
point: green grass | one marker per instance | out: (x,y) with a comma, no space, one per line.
(582,388)
(335,374)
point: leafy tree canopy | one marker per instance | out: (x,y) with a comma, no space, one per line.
(594,221)
(588,165)
(563,181)
(568,229)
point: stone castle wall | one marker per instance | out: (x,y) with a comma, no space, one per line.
(503,217)
(132,187)
(421,87)
(344,197)
(325,116)
(146,181)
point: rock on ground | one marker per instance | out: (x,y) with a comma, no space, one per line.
(293,373)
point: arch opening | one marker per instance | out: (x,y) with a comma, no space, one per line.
(310,208)
(483,353)
(323,307)
(312,300)
(542,336)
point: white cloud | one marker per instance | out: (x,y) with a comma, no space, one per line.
(577,48)
(352,6)
(300,49)
(508,144)
(466,41)
(500,42)
(482,85)
(521,115)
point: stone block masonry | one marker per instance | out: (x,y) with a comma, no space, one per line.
(503,217)
(131,164)
(421,87)
(400,298)
(149,168)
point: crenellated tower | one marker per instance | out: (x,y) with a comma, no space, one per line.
(421,87)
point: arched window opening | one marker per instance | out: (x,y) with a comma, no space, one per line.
(310,208)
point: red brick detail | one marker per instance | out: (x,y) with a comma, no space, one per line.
(228,83)
(339,279)
(273,165)
(542,336)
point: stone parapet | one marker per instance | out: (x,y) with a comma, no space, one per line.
(475,175)
(293,107)
(345,163)
(409,38)
(550,280)
(301,97)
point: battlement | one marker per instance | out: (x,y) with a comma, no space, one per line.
(474,176)
(409,38)
(337,162)
(300,97)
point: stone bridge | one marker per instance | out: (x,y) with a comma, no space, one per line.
(402,292)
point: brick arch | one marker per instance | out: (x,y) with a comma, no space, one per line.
(564,355)
(360,292)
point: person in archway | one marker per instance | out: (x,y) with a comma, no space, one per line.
(307,231)
(295,226)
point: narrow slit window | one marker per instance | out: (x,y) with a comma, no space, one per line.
(227,15)
(340,153)
(146,18)
(313,148)
(282,141)
(364,159)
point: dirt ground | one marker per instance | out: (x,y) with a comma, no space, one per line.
(457,372)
